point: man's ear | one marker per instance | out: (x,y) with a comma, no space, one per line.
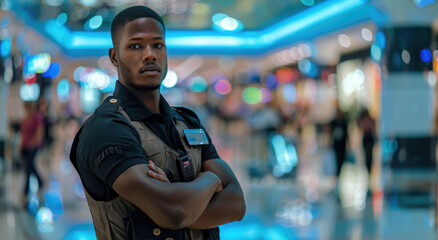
(113,57)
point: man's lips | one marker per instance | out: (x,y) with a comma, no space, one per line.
(150,68)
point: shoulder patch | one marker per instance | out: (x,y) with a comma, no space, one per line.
(186,111)
(110,104)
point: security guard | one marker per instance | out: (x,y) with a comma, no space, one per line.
(150,171)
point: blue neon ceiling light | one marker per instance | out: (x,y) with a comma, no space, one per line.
(309,23)
(308,18)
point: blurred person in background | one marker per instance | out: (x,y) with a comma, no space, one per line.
(368,127)
(48,123)
(3,132)
(150,171)
(339,135)
(32,136)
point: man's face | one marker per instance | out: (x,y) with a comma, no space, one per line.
(141,56)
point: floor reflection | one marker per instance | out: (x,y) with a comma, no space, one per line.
(309,203)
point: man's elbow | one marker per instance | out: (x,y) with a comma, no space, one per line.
(241,210)
(177,219)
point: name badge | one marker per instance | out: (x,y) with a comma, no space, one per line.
(196,136)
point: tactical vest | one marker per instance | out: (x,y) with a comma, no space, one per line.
(108,216)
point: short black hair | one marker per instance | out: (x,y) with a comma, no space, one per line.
(130,14)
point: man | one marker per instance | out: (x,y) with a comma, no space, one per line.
(124,149)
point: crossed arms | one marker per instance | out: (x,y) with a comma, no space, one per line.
(212,199)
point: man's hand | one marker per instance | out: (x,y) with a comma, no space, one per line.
(156,172)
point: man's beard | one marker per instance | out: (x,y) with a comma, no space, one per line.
(128,79)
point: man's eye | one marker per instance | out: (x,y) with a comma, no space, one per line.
(134,46)
(159,45)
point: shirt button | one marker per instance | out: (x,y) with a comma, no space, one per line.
(113,100)
(157,231)
(167,154)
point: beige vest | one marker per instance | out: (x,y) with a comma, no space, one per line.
(108,216)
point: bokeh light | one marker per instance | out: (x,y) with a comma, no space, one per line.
(229,24)
(88,3)
(53,71)
(353,81)
(198,84)
(376,52)
(94,23)
(61,19)
(91,77)
(218,17)
(367,35)
(380,40)
(38,63)
(222,22)
(171,79)
(63,90)
(290,93)
(271,81)
(30,78)
(344,40)
(89,99)
(30,92)
(44,216)
(406,56)
(308,3)
(431,79)
(77,73)
(266,95)
(111,86)
(425,55)
(284,75)
(223,87)
(5,48)
(307,67)
(251,95)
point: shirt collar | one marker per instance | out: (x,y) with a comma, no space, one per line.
(137,110)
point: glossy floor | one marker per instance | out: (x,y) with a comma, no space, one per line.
(276,210)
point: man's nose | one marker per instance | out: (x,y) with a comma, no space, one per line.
(149,54)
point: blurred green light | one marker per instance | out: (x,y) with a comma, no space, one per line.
(251,95)
(198,84)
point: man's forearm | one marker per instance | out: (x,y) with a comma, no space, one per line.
(226,206)
(170,205)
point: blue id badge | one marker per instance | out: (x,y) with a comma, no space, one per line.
(196,136)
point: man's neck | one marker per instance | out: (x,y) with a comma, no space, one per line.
(150,99)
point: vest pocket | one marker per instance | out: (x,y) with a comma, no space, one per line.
(152,148)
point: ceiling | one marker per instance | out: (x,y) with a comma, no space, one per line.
(268,25)
(177,14)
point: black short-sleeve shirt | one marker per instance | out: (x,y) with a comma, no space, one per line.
(108,144)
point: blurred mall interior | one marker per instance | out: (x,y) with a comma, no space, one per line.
(324,109)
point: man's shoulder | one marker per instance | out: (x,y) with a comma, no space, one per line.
(185,112)
(107,118)
(188,115)
(109,105)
